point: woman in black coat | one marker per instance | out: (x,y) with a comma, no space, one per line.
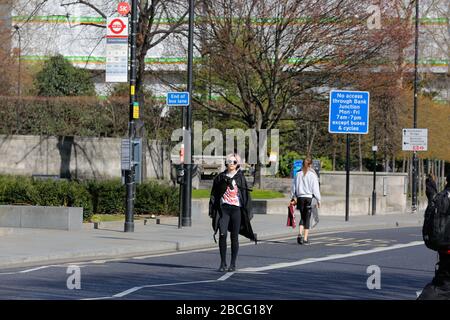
(230,210)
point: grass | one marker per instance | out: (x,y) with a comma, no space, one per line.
(110,217)
(256,194)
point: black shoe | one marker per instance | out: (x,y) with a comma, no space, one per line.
(300,240)
(232,269)
(223,268)
(306,242)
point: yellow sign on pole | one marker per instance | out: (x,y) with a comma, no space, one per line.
(136,111)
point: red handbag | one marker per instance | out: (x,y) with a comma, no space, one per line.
(291,217)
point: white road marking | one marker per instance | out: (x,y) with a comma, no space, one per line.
(269,267)
(28,270)
(332,257)
(44,267)
(81,263)
(129,291)
(225,276)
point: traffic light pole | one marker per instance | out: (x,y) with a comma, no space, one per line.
(130,174)
(187,187)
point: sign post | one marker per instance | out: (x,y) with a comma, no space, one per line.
(415,140)
(177,99)
(130,178)
(348,114)
(117,50)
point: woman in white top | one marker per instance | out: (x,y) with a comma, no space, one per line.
(305,186)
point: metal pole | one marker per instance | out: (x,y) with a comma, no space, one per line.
(18,80)
(374,192)
(187,191)
(415,160)
(347,180)
(129,174)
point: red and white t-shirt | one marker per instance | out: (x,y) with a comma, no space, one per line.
(231,197)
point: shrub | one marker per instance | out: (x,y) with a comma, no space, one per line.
(156,198)
(77,195)
(99,197)
(60,78)
(51,192)
(18,190)
(108,197)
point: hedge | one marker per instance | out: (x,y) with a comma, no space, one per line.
(99,197)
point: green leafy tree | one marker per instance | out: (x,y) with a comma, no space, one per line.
(59,77)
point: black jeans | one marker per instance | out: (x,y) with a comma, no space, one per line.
(439,288)
(230,220)
(304,205)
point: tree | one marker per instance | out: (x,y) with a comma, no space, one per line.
(158,19)
(269,57)
(59,77)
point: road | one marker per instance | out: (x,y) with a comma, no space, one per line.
(334,266)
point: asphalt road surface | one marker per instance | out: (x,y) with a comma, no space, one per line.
(376,264)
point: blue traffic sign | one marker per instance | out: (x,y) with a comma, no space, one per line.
(179,99)
(349,112)
(298,165)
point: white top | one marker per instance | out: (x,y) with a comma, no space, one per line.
(231,197)
(305,185)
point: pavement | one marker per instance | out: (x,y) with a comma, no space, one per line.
(34,247)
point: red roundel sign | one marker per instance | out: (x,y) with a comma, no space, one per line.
(117,26)
(123,8)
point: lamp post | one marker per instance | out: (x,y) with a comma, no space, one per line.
(17,28)
(187,186)
(130,174)
(415,160)
(374,192)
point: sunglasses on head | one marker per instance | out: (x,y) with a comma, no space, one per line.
(232,162)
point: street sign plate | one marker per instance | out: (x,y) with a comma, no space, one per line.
(177,99)
(349,112)
(123,8)
(117,27)
(415,140)
(117,50)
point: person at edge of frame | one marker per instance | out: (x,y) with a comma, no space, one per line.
(230,208)
(305,186)
(431,188)
(439,288)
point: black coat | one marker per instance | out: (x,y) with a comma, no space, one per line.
(219,187)
(430,189)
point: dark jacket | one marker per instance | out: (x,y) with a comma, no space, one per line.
(219,187)
(431,189)
(439,288)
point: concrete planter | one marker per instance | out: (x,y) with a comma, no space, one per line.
(61,218)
